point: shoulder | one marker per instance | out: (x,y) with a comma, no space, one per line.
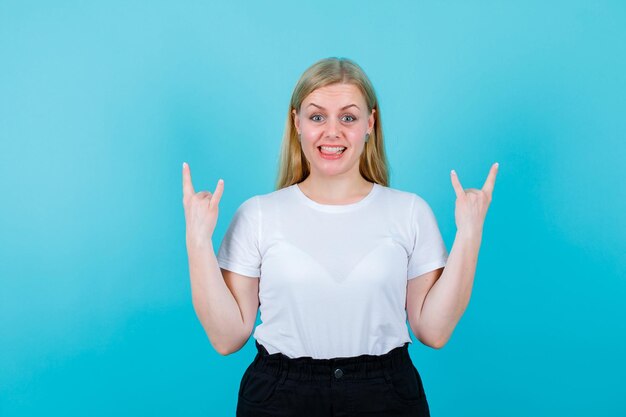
(401,198)
(396,195)
(274,198)
(259,201)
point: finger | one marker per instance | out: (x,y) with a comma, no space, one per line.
(456,184)
(188,190)
(491,179)
(217,194)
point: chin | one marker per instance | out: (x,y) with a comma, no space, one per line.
(331,172)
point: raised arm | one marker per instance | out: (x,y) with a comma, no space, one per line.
(215,304)
(435,304)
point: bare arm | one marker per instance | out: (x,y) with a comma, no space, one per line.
(445,294)
(436,303)
(214,303)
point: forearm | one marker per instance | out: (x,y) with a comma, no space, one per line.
(448,298)
(213,302)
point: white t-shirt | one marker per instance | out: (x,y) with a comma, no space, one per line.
(333,278)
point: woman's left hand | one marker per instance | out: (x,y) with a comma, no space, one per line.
(472,204)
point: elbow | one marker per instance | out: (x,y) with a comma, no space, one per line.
(436,344)
(228,348)
(224,350)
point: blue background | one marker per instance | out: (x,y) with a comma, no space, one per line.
(101,102)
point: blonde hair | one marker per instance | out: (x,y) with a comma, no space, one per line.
(293,166)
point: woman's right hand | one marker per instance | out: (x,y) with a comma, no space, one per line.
(201,210)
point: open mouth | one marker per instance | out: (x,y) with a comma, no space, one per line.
(331,150)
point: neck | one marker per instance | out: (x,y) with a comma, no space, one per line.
(336,189)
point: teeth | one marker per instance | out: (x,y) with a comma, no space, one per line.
(333,149)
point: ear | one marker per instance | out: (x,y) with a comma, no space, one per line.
(371,120)
(296,119)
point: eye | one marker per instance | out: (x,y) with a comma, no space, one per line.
(351,117)
(314,116)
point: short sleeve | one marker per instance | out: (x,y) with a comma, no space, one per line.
(429,250)
(239,251)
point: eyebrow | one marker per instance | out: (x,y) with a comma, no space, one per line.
(343,108)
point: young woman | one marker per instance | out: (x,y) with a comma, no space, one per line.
(337,262)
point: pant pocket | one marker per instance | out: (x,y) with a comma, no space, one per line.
(419,381)
(257,387)
(406,386)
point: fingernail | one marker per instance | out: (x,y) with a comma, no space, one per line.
(452,172)
(184,163)
(497,165)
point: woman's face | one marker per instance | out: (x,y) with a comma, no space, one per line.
(333,121)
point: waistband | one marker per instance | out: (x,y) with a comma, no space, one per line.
(357,367)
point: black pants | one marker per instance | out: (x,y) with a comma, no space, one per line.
(367,385)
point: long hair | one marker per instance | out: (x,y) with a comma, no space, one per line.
(293,166)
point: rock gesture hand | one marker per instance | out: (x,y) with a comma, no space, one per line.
(472,204)
(201,210)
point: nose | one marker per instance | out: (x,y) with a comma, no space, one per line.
(332,128)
